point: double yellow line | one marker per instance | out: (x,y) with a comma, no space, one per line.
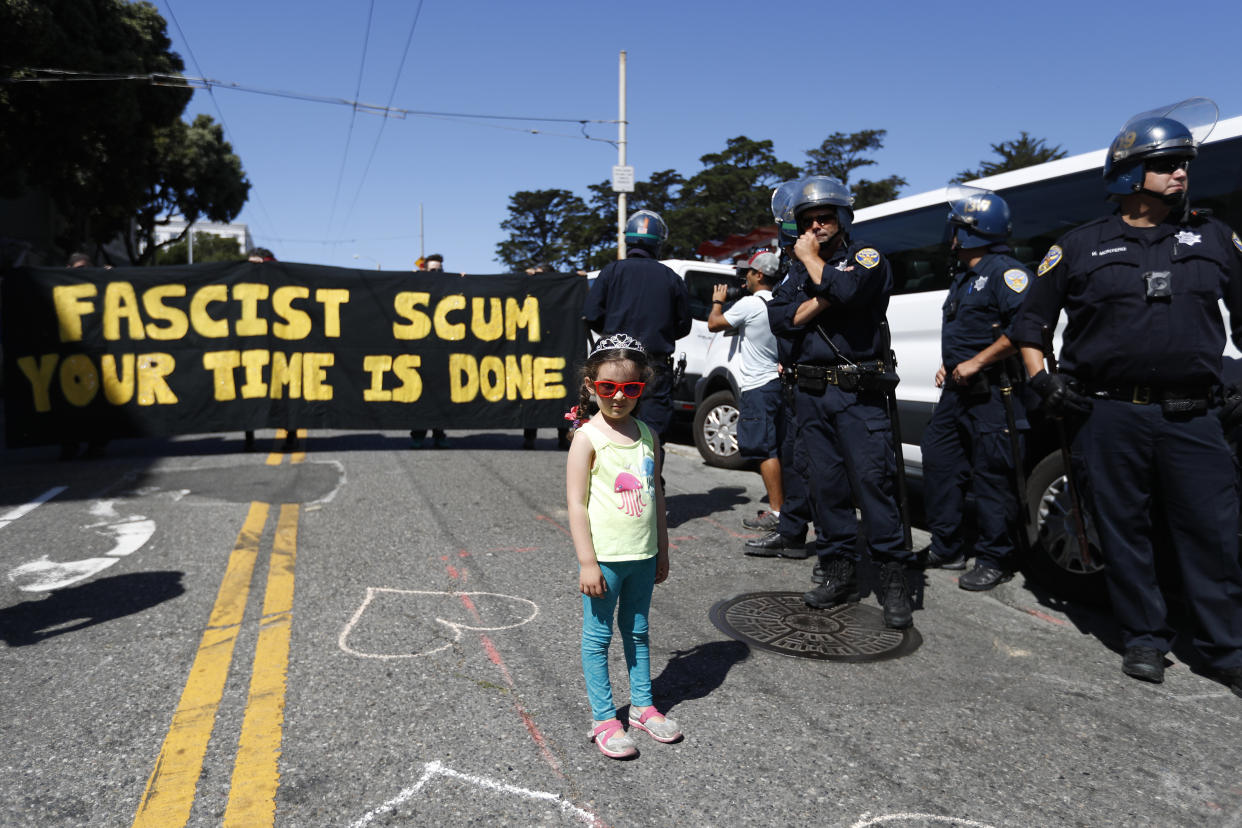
(169,795)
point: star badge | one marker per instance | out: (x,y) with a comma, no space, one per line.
(1188,238)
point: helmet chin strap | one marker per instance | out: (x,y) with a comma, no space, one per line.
(1169,199)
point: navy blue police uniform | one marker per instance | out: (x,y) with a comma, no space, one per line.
(1151,364)
(796,508)
(966,444)
(845,434)
(644,298)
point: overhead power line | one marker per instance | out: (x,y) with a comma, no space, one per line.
(353,116)
(158,79)
(395,81)
(223,123)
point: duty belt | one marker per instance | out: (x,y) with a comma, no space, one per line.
(836,374)
(1168,396)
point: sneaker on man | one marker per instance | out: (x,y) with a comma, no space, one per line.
(766,520)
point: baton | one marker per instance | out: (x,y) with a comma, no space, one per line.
(890,398)
(1071,486)
(1015,450)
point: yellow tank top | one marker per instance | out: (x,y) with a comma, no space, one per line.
(621,500)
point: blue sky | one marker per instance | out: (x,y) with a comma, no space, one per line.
(945,80)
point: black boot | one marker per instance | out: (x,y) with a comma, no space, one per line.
(895,597)
(840,586)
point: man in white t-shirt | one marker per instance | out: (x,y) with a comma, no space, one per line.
(759,384)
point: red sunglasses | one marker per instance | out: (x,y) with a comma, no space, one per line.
(608,389)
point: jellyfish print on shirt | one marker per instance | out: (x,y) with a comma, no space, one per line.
(631,490)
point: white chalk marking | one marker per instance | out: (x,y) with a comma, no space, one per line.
(455,626)
(129,533)
(45,575)
(868,820)
(431,770)
(340,481)
(13,514)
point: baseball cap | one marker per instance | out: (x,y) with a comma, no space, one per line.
(765,262)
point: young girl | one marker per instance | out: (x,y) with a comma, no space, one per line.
(616,515)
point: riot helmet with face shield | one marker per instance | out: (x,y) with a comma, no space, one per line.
(1172,133)
(977,217)
(647,230)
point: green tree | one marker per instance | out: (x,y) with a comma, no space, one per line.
(1014,155)
(841,154)
(93,146)
(731,194)
(194,174)
(208,247)
(594,237)
(540,224)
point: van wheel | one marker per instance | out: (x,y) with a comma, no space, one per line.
(1056,558)
(715,431)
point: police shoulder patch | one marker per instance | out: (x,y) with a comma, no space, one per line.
(1237,242)
(1017,279)
(1051,259)
(868,257)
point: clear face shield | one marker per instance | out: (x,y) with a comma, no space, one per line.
(1198,115)
(783,198)
(967,205)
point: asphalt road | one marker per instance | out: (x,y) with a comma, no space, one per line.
(367,635)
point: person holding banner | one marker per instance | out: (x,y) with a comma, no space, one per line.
(259,255)
(562,432)
(94,447)
(418,436)
(649,301)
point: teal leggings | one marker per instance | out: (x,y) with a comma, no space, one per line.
(629,595)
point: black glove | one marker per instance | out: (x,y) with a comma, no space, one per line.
(1062,394)
(1231,412)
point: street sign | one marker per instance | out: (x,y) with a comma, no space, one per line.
(623,179)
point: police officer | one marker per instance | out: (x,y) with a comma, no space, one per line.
(832,308)
(645,299)
(786,534)
(967,443)
(1142,360)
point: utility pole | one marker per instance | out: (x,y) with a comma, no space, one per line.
(189,232)
(621,194)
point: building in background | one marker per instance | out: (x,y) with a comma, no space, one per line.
(239,232)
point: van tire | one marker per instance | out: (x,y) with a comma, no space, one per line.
(715,431)
(1055,560)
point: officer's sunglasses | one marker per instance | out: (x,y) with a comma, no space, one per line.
(607,389)
(824,220)
(1164,166)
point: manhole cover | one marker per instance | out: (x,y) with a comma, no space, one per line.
(781,623)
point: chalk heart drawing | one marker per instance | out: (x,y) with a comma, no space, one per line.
(436,772)
(128,533)
(908,820)
(411,623)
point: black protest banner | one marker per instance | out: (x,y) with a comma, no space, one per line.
(233,346)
